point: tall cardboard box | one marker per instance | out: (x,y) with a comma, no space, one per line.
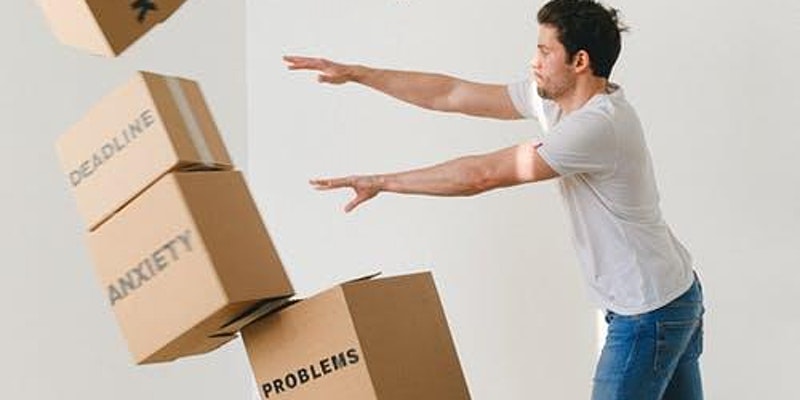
(105,27)
(182,260)
(152,125)
(384,339)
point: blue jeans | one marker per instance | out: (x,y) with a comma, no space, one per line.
(654,356)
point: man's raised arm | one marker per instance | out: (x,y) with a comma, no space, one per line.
(427,90)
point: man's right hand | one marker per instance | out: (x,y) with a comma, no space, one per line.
(330,72)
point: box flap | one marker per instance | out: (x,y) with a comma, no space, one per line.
(272,306)
(363,278)
(258,311)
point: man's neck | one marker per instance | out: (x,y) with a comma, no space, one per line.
(583,91)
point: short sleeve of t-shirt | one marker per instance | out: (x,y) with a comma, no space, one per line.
(583,142)
(530,105)
(520,93)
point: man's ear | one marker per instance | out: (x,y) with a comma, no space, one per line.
(581,61)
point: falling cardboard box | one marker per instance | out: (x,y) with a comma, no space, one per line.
(105,27)
(381,339)
(182,260)
(150,126)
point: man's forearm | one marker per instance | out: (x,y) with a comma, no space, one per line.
(422,89)
(458,177)
(471,175)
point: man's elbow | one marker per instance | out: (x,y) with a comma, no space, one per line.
(471,180)
(454,97)
(489,177)
(482,179)
(446,102)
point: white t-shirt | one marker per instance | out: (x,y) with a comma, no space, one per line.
(631,260)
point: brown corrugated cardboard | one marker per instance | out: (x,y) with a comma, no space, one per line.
(184,259)
(384,339)
(148,127)
(105,27)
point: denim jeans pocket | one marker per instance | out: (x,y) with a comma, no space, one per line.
(672,339)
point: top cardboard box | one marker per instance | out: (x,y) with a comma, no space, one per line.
(151,126)
(105,27)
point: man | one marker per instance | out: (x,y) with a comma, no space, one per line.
(594,145)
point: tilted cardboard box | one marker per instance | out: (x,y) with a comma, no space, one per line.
(150,126)
(384,339)
(105,27)
(182,260)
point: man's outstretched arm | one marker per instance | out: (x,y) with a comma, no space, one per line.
(427,90)
(465,176)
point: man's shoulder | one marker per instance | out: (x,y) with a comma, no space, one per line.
(609,108)
(598,114)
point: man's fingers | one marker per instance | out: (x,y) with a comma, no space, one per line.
(354,203)
(298,59)
(330,72)
(326,184)
(296,62)
(326,79)
(320,184)
(335,183)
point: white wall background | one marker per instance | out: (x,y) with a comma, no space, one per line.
(716,87)
(59,337)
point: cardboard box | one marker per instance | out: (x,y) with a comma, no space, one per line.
(182,260)
(382,339)
(105,27)
(152,125)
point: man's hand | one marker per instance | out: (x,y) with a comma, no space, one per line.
(366,187)
(330,72)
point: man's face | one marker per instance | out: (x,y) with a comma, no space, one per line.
(551,69)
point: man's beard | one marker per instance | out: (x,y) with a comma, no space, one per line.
(543,93)
(555,92)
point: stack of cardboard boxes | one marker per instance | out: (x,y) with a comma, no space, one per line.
(177,240)
(186,262)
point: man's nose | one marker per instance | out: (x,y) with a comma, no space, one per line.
(534,63)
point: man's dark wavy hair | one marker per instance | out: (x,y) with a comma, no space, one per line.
(586,25)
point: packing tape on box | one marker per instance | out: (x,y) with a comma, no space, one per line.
(190,120)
